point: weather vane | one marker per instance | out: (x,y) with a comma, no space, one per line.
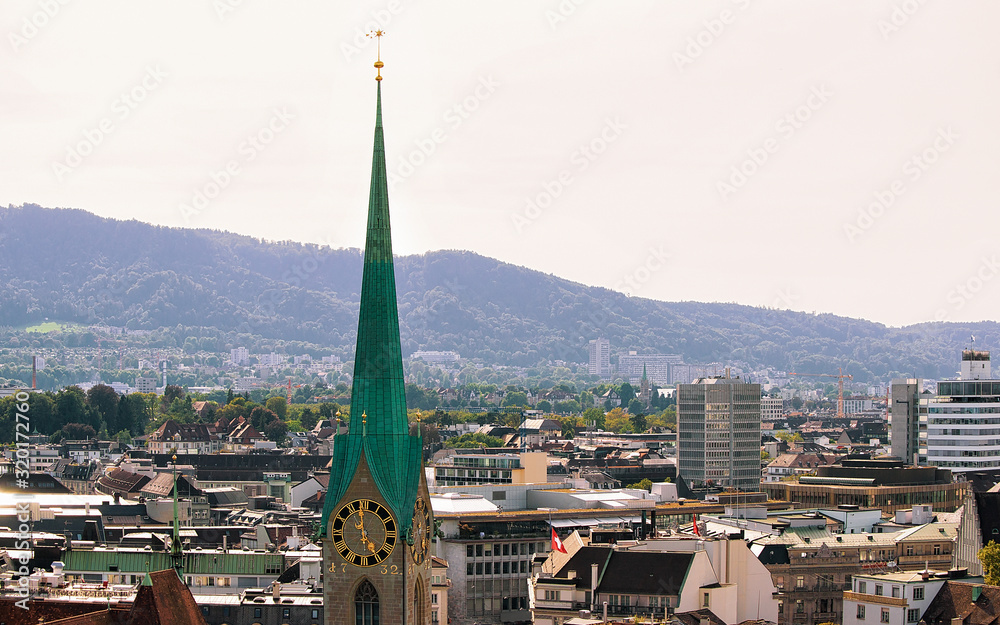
(377,34)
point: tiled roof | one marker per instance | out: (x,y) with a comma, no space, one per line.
(166,601)
(954,600)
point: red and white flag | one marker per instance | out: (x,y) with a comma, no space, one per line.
(695,525)
(557,545)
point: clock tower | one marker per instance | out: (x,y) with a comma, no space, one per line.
(377,521)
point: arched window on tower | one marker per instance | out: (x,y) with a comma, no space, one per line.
(366,604)
(418,601)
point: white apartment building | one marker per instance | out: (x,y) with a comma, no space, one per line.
(890,599)
(963,419)
(600,357)
(653,579)
(771,408)
(436,358)
(272,359)
(240,356)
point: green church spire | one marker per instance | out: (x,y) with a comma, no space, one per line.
(382,436)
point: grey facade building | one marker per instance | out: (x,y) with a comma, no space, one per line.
(718,433)
(904,419)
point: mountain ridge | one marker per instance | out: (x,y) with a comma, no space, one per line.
(72,265)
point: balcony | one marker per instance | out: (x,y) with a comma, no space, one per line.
(878,599)
(931,560)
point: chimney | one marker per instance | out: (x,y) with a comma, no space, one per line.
(593,581)
(276,590)
(224,539)
(570,574)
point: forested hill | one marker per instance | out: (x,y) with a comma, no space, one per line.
(70,265)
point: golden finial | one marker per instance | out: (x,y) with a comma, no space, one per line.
(377,34)
(364,424)
(418,416)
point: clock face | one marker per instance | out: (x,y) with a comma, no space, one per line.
(421,532)
(363,532)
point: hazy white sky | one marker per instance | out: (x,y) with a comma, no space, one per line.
(821,156)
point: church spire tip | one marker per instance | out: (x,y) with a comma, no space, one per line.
(377,34)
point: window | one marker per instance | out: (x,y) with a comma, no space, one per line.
(909,550)
(878,589)
(895,591)
(800,581)
(885,615)
(552,595)
(366,610)
(937,550)
(705,600)
(862,587)
(469,551)
(256,612)
(287,612)
(912,616)
(918,592)
(315,614)
(800,606)
(434,598)
(861,611)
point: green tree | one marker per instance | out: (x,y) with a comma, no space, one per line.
(618,422)
(544,405)
(645,484)
(789,437)
(594,416)
(515,398)
(104,400)
(638,422)
(636,407)
(308,418)
(42,411)
(626,392)
(276,430)
(989,557)
(569,425)
(569,406)
(473,440)
(170,393)
(260,417)
(78,431)
(71,407)
(277,405)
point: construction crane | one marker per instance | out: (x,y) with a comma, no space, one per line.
(840,375)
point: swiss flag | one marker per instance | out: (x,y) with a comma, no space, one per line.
(556,543)
(695,526)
